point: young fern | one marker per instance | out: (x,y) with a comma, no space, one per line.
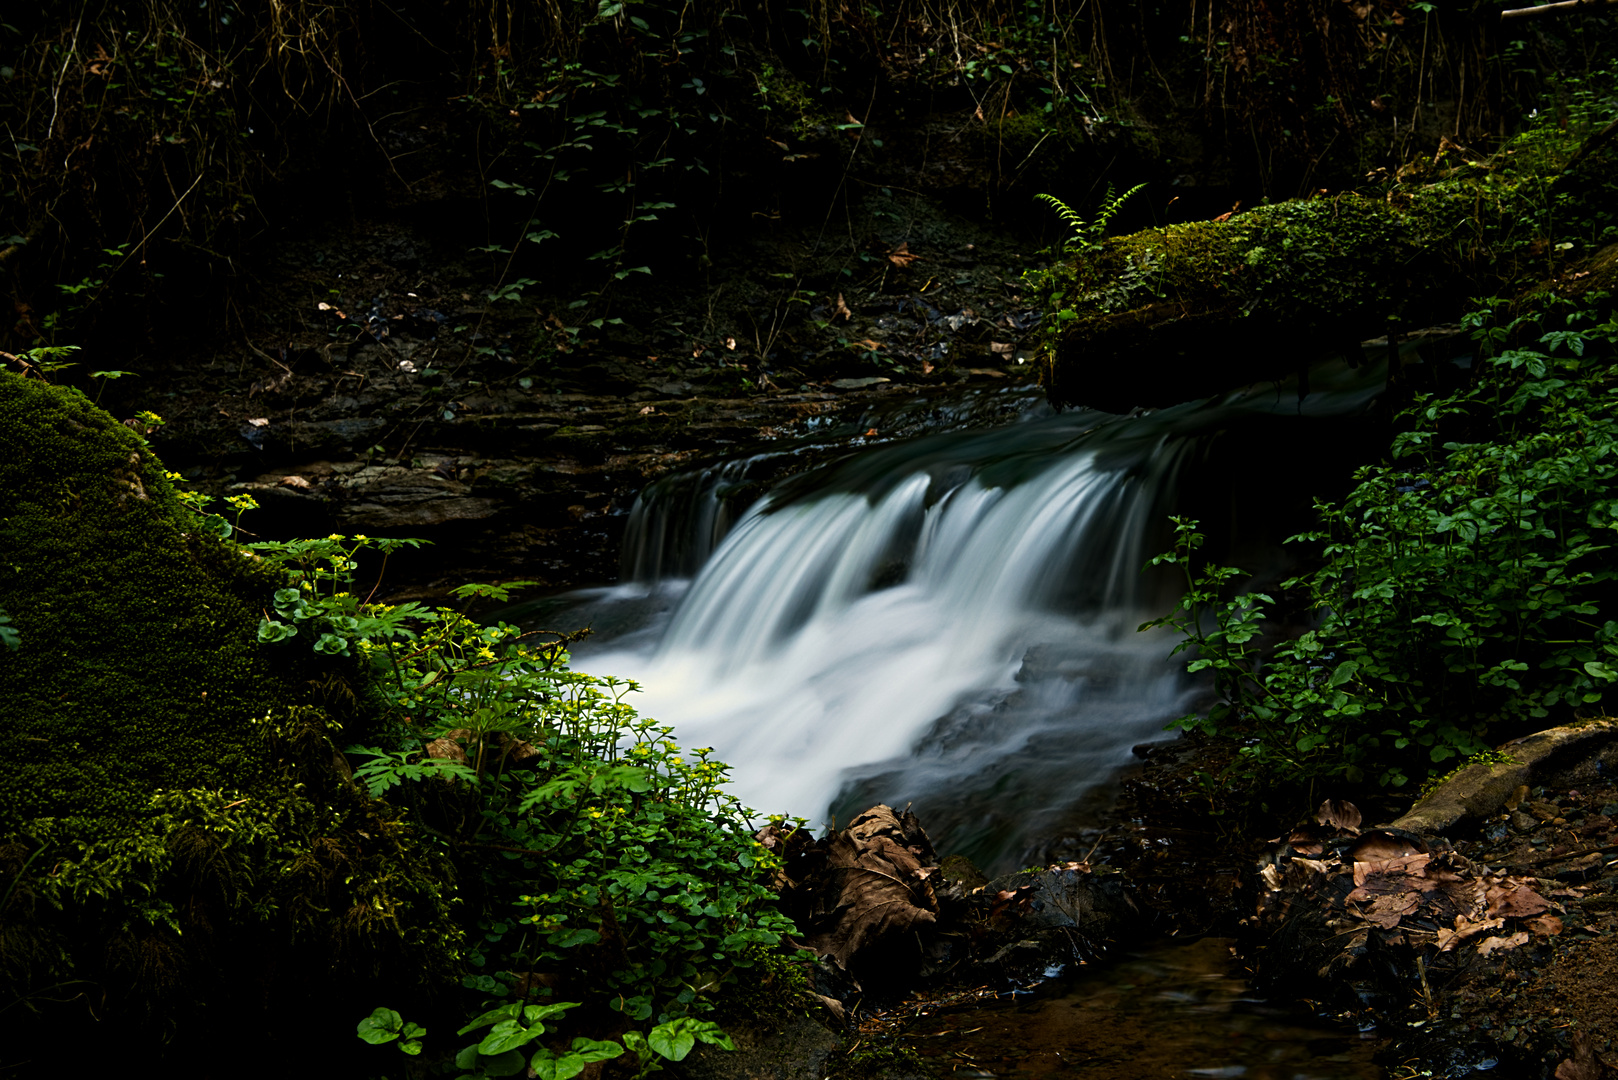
(1089,233)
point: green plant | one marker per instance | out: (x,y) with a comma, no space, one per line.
(43,360)
(511,1026)
(1463,588)
(602,846)
(385,1026)
(1088,233)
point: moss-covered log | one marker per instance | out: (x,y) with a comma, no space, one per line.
(179,842)
(1165,314)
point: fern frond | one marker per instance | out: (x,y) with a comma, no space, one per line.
(1074,219)
(1110,207)
(1089,232)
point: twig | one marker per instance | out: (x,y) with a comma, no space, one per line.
(1562,8)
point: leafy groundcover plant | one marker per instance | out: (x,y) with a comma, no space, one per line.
(608,866)
(1463,590)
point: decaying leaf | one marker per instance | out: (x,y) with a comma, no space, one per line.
(872,888)
(1449,938)
(1583,1065)
(1490,945)
(1403,867)
(1513,898)
(842,309)
(1545,926)
(1339,814)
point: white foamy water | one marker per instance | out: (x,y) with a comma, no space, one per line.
(950,620)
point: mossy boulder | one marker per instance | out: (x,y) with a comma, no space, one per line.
(1172,313)
(179,841)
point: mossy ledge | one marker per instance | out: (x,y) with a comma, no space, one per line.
(181,851)
(1171,313)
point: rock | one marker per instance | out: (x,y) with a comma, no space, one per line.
(1570,754)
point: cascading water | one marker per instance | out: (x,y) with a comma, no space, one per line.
(949,621)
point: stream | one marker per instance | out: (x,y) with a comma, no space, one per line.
(947,621)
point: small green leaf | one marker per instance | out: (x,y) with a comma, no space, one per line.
(382,1026)
(671,1040)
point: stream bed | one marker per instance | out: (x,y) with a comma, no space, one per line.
(1172,1008)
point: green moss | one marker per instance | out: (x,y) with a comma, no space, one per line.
(774,986)
(880,1059)
(177,832)
(138,668)
(1324,272)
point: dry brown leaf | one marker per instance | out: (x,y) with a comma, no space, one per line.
(1386,911)
(1339,814)
(647,411)
(1379,844)
(902,256)
(1494,944)
(926,368)
(1464,928)
(1583,1065)
(842,309)
(871,888)
(294,482)
(1545,926)
(1513,899)
(1400,868)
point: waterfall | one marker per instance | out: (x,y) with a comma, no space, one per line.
(949,620)
(677,521)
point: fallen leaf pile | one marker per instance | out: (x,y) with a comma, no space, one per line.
(859,894)
(1385,888)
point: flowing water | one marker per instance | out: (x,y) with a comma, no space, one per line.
(949,620)
(1168,1009)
